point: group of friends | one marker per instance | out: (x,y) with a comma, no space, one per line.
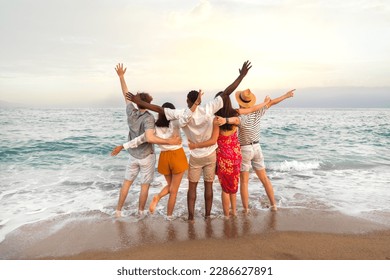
(222,141)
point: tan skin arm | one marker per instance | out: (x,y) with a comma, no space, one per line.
(232,120)
(152,138)
(116,150)
(275,101)
(245,111)
(213,139)
(158,109)
(121,74)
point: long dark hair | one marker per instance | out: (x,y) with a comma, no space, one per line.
(226,111)
(162,119)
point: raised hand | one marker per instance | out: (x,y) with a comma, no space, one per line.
(290,93)
(129,96)
(245,68)
(119,69)
(199,99)
(267,99)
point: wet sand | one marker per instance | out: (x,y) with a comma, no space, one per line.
(284,235)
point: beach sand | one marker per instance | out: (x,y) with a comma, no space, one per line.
(284,235)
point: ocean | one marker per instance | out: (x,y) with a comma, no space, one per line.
(56,162)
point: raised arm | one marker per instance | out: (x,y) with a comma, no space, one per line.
(245,111)
(137,100)
(121,74)
(243,71)
(281,98)
(211,141)
(197,101)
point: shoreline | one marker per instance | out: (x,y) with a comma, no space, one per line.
(288,234)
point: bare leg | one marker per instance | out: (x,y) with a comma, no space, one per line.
(143,197)
(267,186)
(164,191)
(122,196)
(208,197)
(191,198)
(174,187)
(244,179)
(225,204)
(233,202)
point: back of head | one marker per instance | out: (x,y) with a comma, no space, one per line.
(226,111)
(168,105)
(191,97)
(144,97)
(162,120)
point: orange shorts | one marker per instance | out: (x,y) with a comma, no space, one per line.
(172,162)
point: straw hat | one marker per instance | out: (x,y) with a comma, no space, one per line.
(245,98)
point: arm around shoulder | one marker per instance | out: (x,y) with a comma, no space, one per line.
(211,141)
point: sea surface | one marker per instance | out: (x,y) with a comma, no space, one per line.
(56,162)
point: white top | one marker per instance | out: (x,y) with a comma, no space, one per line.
(199,127)
(169,132)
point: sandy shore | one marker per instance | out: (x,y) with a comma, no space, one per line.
(287,234)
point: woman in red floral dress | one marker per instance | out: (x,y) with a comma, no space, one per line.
(228,152)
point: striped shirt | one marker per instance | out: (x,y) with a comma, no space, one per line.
(249,128)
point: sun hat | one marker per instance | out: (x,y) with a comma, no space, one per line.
(245,98)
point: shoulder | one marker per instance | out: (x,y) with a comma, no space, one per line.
(130,107)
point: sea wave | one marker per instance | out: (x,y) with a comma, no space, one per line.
(294,165)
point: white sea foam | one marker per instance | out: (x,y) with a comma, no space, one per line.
(294,165)
(315,160)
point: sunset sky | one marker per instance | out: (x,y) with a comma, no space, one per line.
(59,53)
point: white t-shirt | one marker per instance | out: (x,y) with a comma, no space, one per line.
(199,127)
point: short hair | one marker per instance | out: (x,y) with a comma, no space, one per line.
(192,95)
(144,96)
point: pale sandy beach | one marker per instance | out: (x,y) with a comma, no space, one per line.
(285,235)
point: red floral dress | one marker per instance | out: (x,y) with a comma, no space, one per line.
(229,162)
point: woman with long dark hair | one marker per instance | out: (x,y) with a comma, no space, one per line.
(228,152)
(172,162)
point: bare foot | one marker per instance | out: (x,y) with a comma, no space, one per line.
(118,214)
(274,208)
(153,204)
(246,211)
(233,213)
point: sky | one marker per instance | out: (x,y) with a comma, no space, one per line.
(63,53)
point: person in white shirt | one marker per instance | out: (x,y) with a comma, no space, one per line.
(198,128)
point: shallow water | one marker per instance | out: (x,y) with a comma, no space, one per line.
(55,162)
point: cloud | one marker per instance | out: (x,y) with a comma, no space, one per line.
(200,13)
